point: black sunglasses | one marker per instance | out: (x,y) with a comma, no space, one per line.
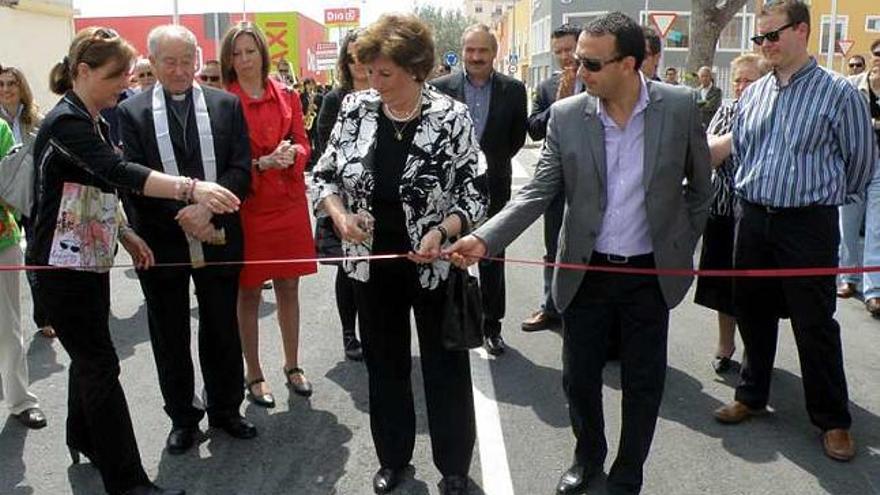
(772,36)
(856,65)
(596,65)
(145,74)
(209,78)
(876,53)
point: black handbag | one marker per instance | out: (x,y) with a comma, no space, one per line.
(462,312)
(327,242)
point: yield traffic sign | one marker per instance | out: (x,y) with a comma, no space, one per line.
(845,45)
(663,21)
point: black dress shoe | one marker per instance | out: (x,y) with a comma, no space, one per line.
(386,479)
(236,427)
(494,345)
(453,485)
(32,417)
(300,387)
(263,400)
(181,439)
(575,480)
(153,490)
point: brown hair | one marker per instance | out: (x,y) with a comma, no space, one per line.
(95,47)
(343,72)
(227,72)
(402,38)
(797,11)
(29,114)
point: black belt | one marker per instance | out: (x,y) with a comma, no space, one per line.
(777,210)
(638,261)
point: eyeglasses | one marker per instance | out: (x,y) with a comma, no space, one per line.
(8,84)
(596,65)
(205,78)
(771,36)
(145,74)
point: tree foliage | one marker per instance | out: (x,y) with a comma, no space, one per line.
(448,25)
(708,19)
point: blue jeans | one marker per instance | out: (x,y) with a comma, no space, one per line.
(851,216)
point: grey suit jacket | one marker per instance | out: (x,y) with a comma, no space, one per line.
(676,177)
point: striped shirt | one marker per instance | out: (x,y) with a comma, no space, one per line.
(807,143)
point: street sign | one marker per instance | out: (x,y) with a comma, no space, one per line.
(339,18)
(511,70)
(326,53)
(845,45)
(513,59)
(451,59)
(663,21)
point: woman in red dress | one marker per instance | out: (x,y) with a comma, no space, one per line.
(275,215)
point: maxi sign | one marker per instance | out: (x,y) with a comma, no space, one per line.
(340,18)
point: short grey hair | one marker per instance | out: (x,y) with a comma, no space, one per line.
(480,28)
(170,31)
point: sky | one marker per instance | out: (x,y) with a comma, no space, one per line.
(370,9)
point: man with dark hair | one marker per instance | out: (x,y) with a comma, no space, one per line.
(562,84)
(631,160)
(671,76)
(497,105)
(653,52)
(856,65)
(803,143)
(210,74)
(868,209)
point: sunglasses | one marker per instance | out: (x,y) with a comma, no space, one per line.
(145,74)
(596,65)
(66,245)
(205,78)
(855,65)
(876,53)
(771,36)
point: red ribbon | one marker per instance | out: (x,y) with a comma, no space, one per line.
(665,272)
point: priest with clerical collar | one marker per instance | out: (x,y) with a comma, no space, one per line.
(181,128)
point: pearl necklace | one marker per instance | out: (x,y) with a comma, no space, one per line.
(406,119)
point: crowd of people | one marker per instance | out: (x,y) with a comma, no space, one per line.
(196,170)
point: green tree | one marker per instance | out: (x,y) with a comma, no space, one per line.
(447,24)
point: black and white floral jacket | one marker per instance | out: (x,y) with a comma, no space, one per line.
(437,180)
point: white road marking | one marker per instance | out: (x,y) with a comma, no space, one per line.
(493,454)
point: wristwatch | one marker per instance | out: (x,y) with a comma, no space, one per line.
(444,234)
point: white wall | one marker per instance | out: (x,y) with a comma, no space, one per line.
(36,35)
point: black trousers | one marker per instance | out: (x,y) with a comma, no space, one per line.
(492,285)
(384,305)
(791,238)
(98,421)
(167,294)
(634,306)
(345,303)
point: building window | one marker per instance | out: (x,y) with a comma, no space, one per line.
(541,31)
(581,18)
(839,32)
(872,23)
(737,35)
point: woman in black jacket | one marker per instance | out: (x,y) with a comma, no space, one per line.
(77,221)
(352,77)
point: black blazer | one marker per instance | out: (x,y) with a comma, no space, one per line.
(153,219)
(506,124)
(544,97)
(327,116)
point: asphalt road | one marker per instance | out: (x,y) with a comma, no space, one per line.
(322,446)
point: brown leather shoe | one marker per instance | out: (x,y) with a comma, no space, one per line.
(736,412)
(873,306)
(839,444)
(846,290)
(540,320)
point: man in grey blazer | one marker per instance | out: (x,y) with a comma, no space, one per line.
(632,160)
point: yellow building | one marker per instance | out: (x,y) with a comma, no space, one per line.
(512,29)
(36,34)
(857,20)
